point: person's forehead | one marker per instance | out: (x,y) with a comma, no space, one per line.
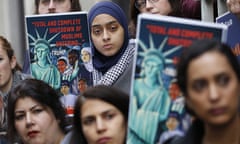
(85,52)
(103,20)
(62,61)
(81,82)
(72,55)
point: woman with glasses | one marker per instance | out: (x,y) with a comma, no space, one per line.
(136,7)
(178,8)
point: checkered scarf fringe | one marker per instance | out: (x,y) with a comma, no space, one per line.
(111,76)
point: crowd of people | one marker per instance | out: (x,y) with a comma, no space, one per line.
(208,75)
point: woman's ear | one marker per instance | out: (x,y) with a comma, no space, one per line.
(13,62)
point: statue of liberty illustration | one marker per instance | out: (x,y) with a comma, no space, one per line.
(150,103)
(41,65)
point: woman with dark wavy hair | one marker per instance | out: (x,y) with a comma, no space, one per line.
(35,114)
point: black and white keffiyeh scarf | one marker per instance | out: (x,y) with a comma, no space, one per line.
(111,76)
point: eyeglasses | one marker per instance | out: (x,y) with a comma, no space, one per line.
(140,4)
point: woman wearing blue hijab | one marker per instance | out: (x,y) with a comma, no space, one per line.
(112,50)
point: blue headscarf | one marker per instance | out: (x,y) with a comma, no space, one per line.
(101,62)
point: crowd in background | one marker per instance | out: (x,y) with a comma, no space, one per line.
(32,111)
